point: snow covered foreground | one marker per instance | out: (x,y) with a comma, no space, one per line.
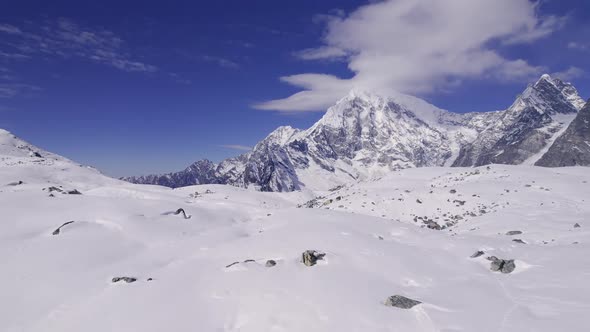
(373,246)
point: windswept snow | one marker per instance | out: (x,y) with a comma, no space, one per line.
(373,250)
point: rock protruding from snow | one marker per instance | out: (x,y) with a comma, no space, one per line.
(310,257)
(58,230)
(401,302)
(502,265)
(510,233)
(125,279)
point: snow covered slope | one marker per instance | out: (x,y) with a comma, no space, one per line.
(365,136)
(209,270)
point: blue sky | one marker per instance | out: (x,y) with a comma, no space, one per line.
(136,87)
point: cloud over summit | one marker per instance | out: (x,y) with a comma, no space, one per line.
(418,46)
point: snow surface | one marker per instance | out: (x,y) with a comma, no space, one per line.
(374,249)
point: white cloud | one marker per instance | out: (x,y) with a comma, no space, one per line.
(237,147)
(417,47)
(569,74)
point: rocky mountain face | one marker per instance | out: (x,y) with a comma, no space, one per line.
(573,147)
(366,136)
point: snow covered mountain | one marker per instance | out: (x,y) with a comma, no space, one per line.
(365,136)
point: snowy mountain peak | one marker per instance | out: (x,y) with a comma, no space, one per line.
(281,135)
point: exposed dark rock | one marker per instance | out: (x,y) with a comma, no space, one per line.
(232,264)
(270,263)
(572,148)
(179,211)
(249,261)
(74,192)
(502,265)
(57,231)
(513,233)
(402,302)
(310,257)
(126,279)
(519,241)
(477,254)
(576,225)
(14,184)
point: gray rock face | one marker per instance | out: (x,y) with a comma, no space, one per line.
(502,265)
(310,257)
(576,225)
(402,302)
(572,148)
(270,263)
(513,232)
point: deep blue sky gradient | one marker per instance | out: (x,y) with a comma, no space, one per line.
(227,55)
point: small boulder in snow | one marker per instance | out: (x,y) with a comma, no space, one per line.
(58,230)
(310,257)
(502,265)
(270,263)
(576,225)
(477,254)
(126,279)
(402,302)
(513,233)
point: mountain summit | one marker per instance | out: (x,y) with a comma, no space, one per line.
(366,135)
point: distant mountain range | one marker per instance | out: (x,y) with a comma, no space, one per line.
(365,135)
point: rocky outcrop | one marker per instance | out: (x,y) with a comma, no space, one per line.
(572,148)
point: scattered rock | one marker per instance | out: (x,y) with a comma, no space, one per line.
(270,263)
(513,233)
(150,279)
(502,265)
(310,257)
(232,264)
(418,201)
(56,232)
(179,211)
(453,191)
(402,302)
(249,261)
(14,184)
(519,241)
(477,254)
(576,225)
(74,192)
(126,279)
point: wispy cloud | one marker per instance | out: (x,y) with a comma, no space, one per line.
(220,61)
(418,47)
(237,147)
(570,73)
(66,39)
(580,46)
(9,90)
